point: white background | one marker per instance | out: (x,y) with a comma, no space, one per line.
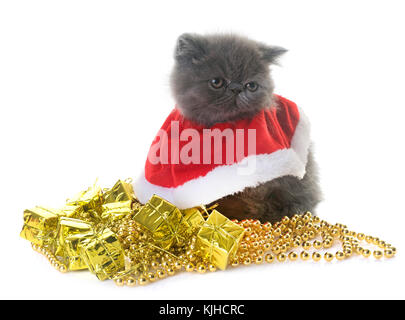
(84,89)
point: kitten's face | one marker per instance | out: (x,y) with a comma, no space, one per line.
(222,78)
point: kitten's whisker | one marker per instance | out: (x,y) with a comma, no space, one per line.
(242,102)
(222,100)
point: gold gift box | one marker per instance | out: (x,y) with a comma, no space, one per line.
(40,225)
(164,220)
(121,191)
(193,217)
(218,239)
(116,210)
(70,234)
(103,254)
(89,200)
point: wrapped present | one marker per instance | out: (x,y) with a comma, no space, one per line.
(164,221)
(74,260)
(116,210)
(70,234)
(40,225)
(103,254)
(218,239)
(121,191)
(193,217)
(89,200)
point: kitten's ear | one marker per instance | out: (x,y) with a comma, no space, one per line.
(190,48)
(270,54)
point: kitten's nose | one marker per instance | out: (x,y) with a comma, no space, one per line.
(235,87)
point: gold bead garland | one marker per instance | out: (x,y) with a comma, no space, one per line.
(262,242)
(298,231)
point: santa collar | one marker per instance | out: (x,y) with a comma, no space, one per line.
(188,165)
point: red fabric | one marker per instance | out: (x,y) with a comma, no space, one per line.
(274,127)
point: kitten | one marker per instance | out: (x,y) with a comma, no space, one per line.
(224,78)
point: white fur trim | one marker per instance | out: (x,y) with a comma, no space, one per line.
(225,180)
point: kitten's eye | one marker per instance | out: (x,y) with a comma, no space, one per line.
(217,83)
(251,86)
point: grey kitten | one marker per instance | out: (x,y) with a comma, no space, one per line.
(223,78)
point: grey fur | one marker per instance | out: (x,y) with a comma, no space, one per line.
(238,60)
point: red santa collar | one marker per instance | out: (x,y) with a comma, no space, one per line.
(187,166)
